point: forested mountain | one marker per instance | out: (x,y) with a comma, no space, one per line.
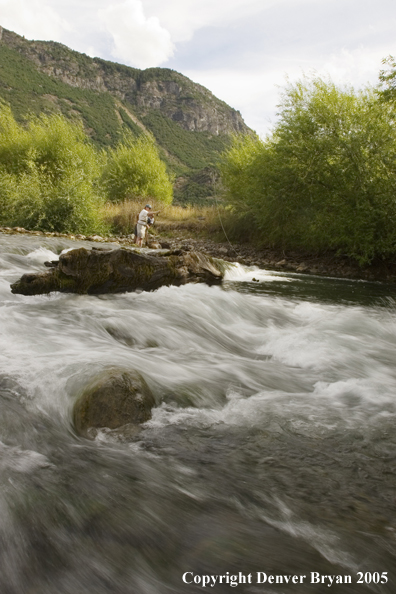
(190,124)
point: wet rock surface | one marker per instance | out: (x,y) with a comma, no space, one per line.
(328,264)
(100,271)
(114,400)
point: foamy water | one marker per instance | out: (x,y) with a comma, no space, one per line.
(270,448)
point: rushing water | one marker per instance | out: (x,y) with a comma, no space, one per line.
(271,449)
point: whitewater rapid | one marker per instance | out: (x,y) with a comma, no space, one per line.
(271,444)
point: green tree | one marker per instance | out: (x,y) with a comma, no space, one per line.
(48,175)
(387,79)
(242,185)
(326,177)
(134,169)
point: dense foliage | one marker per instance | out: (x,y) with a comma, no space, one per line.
(30,91)
(196,150)
(71,83)
(47,175)
(135,169)
(133,128)
(387,78)
(325,178)
(53,179)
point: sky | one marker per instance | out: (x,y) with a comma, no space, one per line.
(242,50)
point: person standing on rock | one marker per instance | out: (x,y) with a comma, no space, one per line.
(143,222)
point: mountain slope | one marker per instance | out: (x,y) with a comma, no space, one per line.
(190,124)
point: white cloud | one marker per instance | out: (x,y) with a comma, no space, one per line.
(183,17)
(136,40)
(240,50)
(358,66)
(34,18)
(117,29)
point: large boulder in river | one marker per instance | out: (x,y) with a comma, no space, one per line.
(119,270)
(115,399)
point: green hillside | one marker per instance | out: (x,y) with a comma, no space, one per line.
(29,91)
(191,126)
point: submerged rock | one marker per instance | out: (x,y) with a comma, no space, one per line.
(116,399)
(119,270)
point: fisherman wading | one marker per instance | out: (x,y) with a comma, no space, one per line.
(144,221)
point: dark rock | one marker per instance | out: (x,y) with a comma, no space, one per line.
(115,399)
(51,264)
(119,270)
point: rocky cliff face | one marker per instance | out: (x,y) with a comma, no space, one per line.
(189,105)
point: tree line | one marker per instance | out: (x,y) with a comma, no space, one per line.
(325,178)
(52,178)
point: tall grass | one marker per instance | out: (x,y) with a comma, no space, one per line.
(196,220)
(121,217)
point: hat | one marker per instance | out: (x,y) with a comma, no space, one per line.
(148,206)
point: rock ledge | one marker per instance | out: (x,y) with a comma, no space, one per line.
(119,270)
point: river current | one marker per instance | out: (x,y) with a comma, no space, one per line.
(271,451)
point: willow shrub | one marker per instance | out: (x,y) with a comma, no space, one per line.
(48,175)
(325,178)
(134,169)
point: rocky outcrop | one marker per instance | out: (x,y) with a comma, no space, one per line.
(190,125)
(118,398)
(178,98)
(99,271)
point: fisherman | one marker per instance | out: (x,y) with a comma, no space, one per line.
(144,221)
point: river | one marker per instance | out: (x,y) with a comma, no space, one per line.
(270,453)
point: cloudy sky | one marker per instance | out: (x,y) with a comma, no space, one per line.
(242,50)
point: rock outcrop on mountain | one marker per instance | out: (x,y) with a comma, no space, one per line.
(191,126)
(190,105)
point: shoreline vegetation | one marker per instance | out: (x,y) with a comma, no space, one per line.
(317,195)
(325,178)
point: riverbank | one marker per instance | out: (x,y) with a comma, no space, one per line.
(291,261)
(329,264)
